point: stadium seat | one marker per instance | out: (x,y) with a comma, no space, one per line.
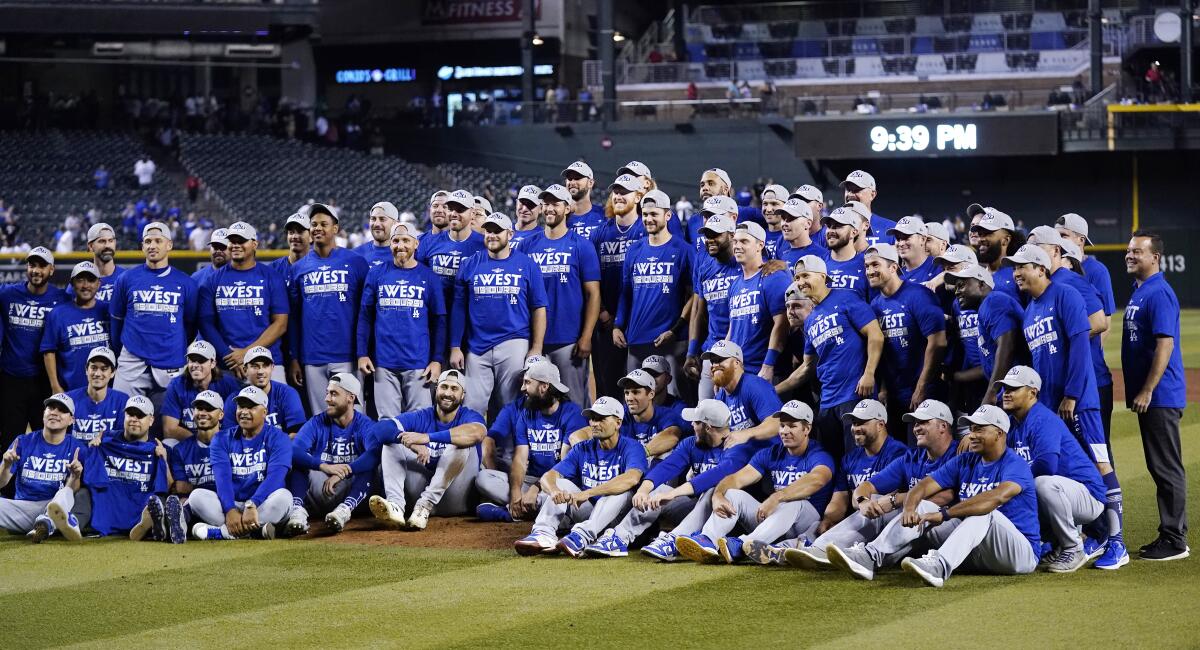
(1047,41)
(868,66)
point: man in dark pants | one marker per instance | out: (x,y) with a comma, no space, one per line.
(1155,389)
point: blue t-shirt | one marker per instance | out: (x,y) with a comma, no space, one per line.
(181,392)
(927,271)
(774,241)
(249,469)
(323,440)
(97,418)
(237,306)
(750,402)
(903,474)
(688,457)
(25,316)
(284,408)
(664,418)
(494,300)
(999,313)
(519,237)
(154,314)
(1002,279)
(1045,442)
(403,313)
(783,469)
(1056,329)
(588,464)
(657,279)
(858,466)
(1153,312)
(389,431)
(879,231)
(203,275)
(444,256)
(1091,305)
(189,463)
(612,241)
(105,292)
(711,279)
(283,266)
(504,428)
(907,318)
(586,224)
(375,254)
(971,475)
(42,468)
(72,332)
(753,304)
(325,293)
(832,333)
(792,255)
(545,435)
(567,263)
(968,336)
(1098,276)
(850,275)
(134,475)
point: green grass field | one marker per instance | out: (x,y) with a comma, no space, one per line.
(113,593)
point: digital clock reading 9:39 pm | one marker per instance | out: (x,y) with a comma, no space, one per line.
(918,137)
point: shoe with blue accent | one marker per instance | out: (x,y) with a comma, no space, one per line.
(1093,548)
(210,533)
(608,546)
(65,522)
(1047,555)
(534,545)
(730,549)
(158,518)
(663,548)
(698,548)
(1115,556)
(176,520)
(492,512)
(572,544)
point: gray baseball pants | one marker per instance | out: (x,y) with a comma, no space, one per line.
(896,541)
(206,505)
(691,513)
(316,382)
(136,377)
(790,519)
(573,371)
(704,386)
(590,519)
(492,485)
(400,391)
(988,544)
(855,529)
(19,516)
(443,489)
(1063,506)
(496,372)
(322,502)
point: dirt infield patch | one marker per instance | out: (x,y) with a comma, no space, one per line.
(443,532)
(1190,375)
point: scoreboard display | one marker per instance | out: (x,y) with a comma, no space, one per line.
(911,135)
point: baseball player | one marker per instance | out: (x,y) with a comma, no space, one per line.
(843,343)
(846,268)
(612,241)
(331,468)
(917,265)
(860,187)
(751,399)
(795,223)
(658,368)
(135,468)
(72,329)
(655,497)
(102,244)
(1056,329)
(797,308)
(591,487)
(756,298)
(799,471)
(540,428)
(383,218)
(963,362)
(711,276)
(1074,228)
(284,409)
(244,304)
(877,500)
(658,428)
(439,216)
(571,276)
(500,306)
(444,252)
(153,313)
(640,171)
(430,457)
(325,291)
(715,182)
(937,240)
(997,236)
(771,201)
(189,460)
(200,374)
(250,463)
(914,336)
(218,256)
(47,470)
(1155,389)
(815,200)
(528,209)
(993,528)
(586,218)
(299,243)
(98,407)
(998,340)
(403,319)
(481,208)
(1070,491)
(715,206)
(496,449)
(23,379)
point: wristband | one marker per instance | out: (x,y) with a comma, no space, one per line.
(772,357)
(440,436)
(693,348)
(945,512)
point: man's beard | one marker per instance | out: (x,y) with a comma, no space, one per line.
(538,402)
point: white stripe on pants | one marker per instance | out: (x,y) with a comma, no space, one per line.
(19,516)
(206,505)
(495,372)
(680,509)
(573,371)
(1063,506)
(400,391)
(987,543)
(790,519)
(443,489)
(589,519)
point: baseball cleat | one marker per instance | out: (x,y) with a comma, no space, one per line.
(143,526)
(176,520)
(65,522)
(41,530)
(387,512)
(534,545)
(336,520)
(572,544)
(927,568)
(297,522)
(492,512)
(663,548)
(807,557)
(763,553)
(608,546)
(697,548)
(419,518)
(1115,556)
(210,533)
(855,559)
(1067,561)
(1092,548)
(730,549)
(1162,550)
(265,531)
(158,518)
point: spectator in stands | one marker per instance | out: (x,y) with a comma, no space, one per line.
(693,92)
(144,170)
(198,238)
(64,241)
(193,188)
(101,177)
(270,239)
(1156,89)
(768,96)
(655,55)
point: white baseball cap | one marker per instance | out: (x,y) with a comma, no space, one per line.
(555,192)
(440,194)
(349,383)
(531,193)
(656,365)
(402,230)
(721,174)
(1045,235)
(42,253)
(717,224)
(796,208)
(754,230)
(859,208)
(202,349)
(937,230)
(796,410)
(218,236)
(141,404)
(252,394)
(987,415)
(627,182)
(1075,224)
(389,210)
(636,168)
(975,271)
(62,399)
(532,359)
(859,178)
(162,228)
(637,378)
(461,198)
(84,267)
(243,230)
(908,226)
(957,254)
(719,204)
(656,199)
(994,220)
(776,192)
(1030,254)
(843,216)
(498,219)
(102,352)
(547,373)
(721,350)
(321,208)
(298,219)
(581,168)
(809,193)
(603,408)
(714,413)
(481,202)
(1071,250)
(209,397)
(811,264)
(886,251)
(793,293)
(930,409)
(453,376)
(257,352)
(97,231)
(867,409)
(1020,377)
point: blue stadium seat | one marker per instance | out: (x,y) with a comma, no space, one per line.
(1047,41)
(922,45)
(696,53)
(986,43)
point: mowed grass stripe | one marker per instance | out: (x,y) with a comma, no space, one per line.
(233,586)
(434,610)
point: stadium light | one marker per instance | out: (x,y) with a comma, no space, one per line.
(618,37)
(537,39)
